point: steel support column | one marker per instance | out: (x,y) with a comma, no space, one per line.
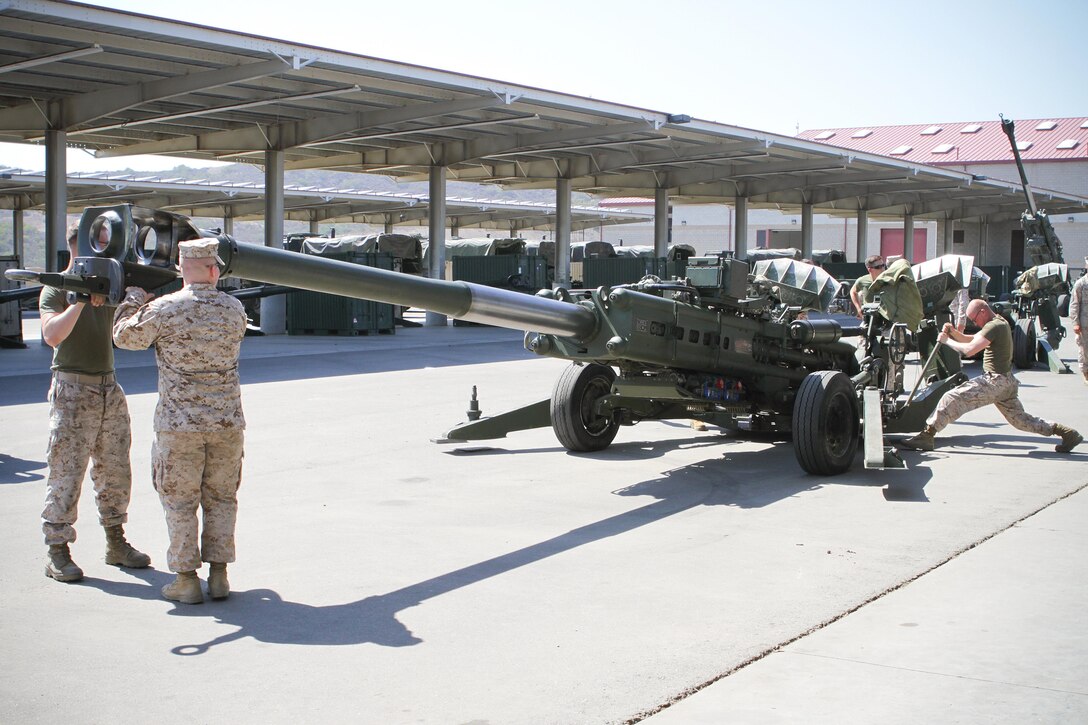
(315,227)
(17,235)
(228,224)
(908,237)
(274,308)
(562,233)
(661,222)
(862,249)
(388,224)
(806,231)
(436,269)
(56,196)
(948,229)
(740,230)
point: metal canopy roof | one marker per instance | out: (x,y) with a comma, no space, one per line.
(121,83)
(246,201)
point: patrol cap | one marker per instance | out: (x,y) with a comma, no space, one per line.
(199,249)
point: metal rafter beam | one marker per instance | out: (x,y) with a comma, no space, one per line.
(68,113)
(459,152)
(215,109)
(290,135)
(47,59)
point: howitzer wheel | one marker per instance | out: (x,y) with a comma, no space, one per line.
(573,410)
(1023,344)
(826,423)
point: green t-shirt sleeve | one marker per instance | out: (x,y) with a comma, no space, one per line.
(52,300)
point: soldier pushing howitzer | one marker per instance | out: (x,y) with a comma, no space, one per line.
(997,385)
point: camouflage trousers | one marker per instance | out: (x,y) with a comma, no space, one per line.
(1082,351)
(1001,391)
(87,424)
(202,470)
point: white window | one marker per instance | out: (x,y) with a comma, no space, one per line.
(971,128)
(900,150)
(862,133)
(824,136)
(1024,145)
(1069,143)
(1047,126)
(932,131)
(943,148)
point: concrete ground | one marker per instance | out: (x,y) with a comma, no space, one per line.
(677,576)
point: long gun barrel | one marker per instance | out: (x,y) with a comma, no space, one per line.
(1009,127)
(461,300)
(1042,241)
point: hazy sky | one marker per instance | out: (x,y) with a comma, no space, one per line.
(773,65)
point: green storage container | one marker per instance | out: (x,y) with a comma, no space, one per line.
(316,313)
(521,272)
(613,271)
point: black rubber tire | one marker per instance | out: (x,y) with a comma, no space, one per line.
(575,424)
(1023,344)
(826,423)
(1063,305)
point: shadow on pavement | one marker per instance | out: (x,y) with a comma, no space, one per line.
(266,617)
(20,470)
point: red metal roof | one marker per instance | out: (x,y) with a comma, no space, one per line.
(987,145)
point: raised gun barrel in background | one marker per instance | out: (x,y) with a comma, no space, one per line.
(1041,241)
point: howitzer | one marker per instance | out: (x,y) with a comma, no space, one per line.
(1042,290)
(729,345)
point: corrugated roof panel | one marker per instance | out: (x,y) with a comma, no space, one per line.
(987,143)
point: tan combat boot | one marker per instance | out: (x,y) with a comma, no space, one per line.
(921,442)
(184,589)
(1070,438)
(120,553)
(218,586)
(60,565)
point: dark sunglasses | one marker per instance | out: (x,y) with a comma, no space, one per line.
(878,266)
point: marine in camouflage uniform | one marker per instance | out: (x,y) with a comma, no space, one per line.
(996,385)
(1078,315)
(88,424)
(197,457)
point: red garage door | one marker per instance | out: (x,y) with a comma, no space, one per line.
(891,244)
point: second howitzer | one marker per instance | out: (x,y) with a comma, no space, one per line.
(729,344)
(1042,291)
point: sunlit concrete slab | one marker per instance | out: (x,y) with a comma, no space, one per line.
(383,578)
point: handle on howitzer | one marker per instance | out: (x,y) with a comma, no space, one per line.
(921,374)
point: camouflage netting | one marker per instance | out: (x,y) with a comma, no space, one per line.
(398,245)
(1043,277)
(900,300)
(758,255)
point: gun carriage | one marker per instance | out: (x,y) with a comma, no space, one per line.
(742,347)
